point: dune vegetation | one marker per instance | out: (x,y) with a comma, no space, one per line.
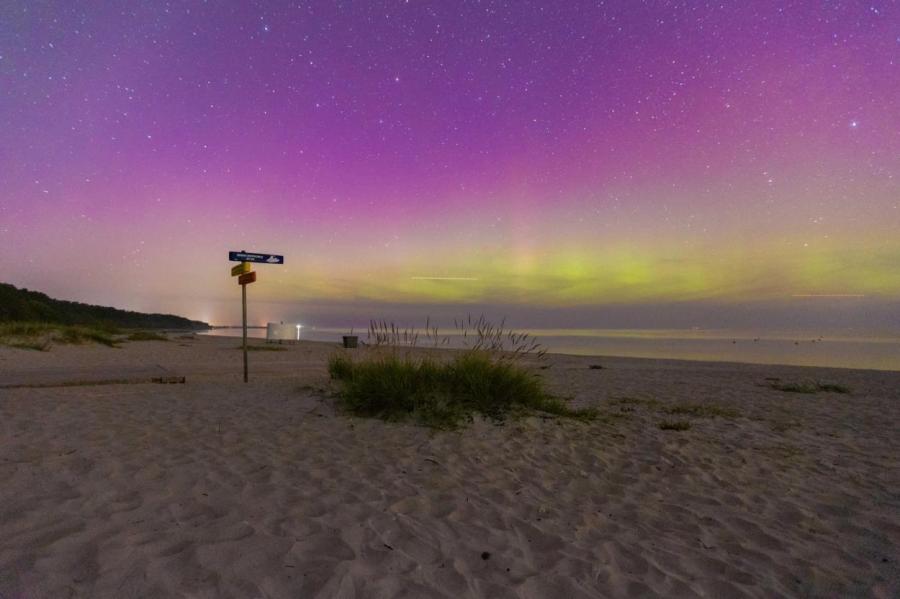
(486,378)
(41,335)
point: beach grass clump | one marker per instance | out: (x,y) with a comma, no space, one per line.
(79,335)
(833,388)
(674,425)
(702,411)
(340,367)
(40,336)
(23,329)
(810,387)
(146,336)
(804,387)
(442,394)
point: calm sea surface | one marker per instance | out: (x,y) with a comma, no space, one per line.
(882,353)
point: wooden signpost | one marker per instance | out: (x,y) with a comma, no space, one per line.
(246,275)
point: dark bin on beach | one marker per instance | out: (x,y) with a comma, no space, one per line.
(350,341)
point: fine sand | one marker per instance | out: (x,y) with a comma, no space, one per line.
(216,488)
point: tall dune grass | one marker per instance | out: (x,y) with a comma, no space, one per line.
(475,334)
(483,379)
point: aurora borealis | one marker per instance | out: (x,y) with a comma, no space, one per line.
(527,156)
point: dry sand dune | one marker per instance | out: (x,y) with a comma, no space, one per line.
(214,488)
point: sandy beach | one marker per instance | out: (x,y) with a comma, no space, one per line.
(216,488)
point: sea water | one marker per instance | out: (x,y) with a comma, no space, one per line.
(794,348)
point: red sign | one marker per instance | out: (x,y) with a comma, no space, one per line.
(248,278)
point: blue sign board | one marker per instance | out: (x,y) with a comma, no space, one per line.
(255,257)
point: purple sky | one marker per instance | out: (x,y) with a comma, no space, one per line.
(553,160)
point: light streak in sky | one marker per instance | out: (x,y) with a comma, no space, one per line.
(444,278)
(829,295)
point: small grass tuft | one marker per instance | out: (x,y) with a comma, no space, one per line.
(806,388)
(146,336)
(674,425)
(833,388)
(702,411)
(443,395)
(810,387)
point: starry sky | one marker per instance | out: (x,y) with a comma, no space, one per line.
(633,163)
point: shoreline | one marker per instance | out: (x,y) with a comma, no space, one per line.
(607,356)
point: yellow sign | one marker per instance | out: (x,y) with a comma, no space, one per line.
(241,269)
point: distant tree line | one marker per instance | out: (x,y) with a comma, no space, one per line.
(32,306)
